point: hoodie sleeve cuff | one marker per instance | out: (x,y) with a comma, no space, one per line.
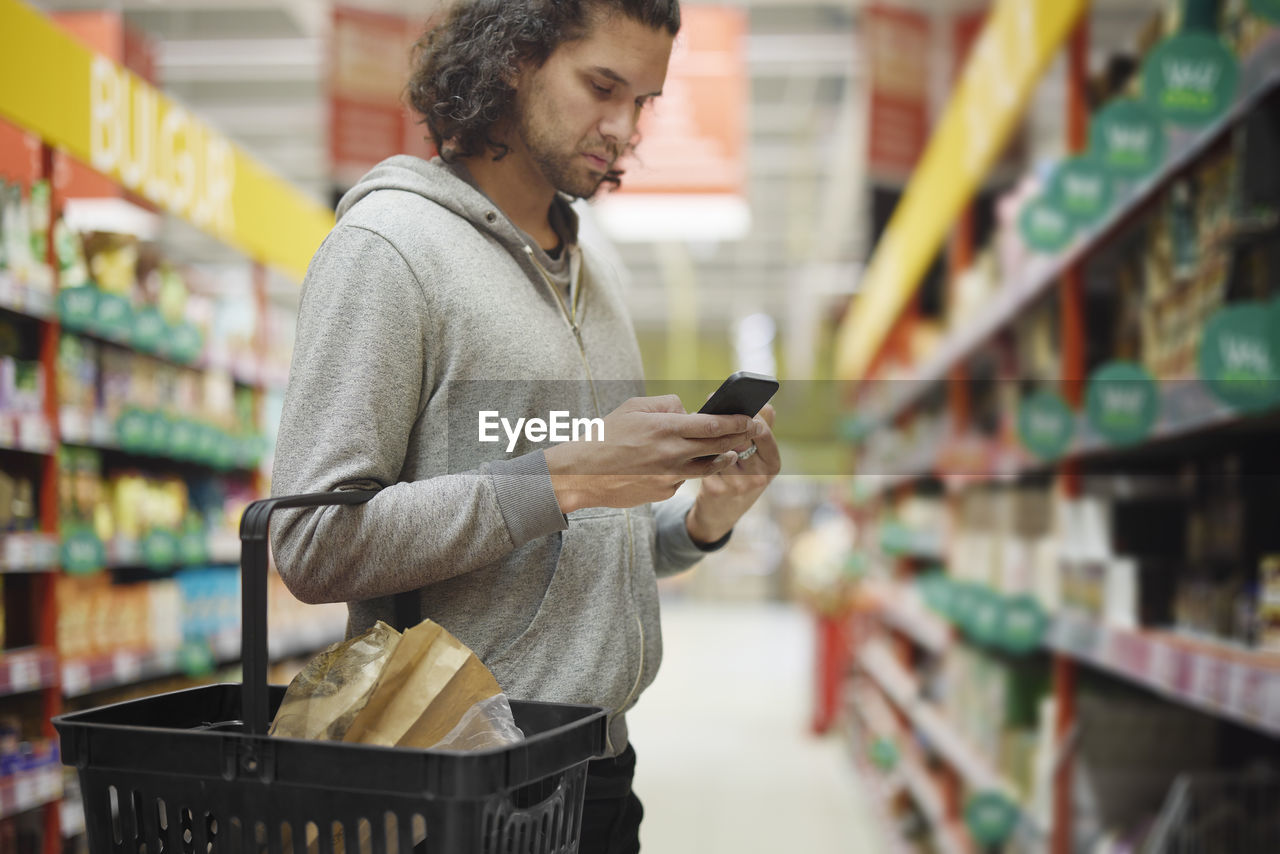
(526,498)
(676,551)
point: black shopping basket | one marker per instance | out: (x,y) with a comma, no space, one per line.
(194,772)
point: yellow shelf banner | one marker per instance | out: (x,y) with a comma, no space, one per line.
(112,120)
(1017,43)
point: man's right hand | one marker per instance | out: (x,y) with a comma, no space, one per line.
(651,446)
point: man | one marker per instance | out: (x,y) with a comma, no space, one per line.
(459,287)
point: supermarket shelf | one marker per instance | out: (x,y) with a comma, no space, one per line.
(87,675)
(100,673)
(305,642)
(26,790)
(123,552)
(900,686)
(1226,681)
(1042,272)
(28,432)
(97,431)
(902,608)
(882,790)
(1187,407)
(31,552)
(27,669)
(909,774)
(19,297)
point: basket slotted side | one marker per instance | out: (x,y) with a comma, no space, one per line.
(152,782)
(194,771)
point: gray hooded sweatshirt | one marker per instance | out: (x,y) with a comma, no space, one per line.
(423,308)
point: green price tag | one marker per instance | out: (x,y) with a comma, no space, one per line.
(991,817)
(77,307)
(184,438)
(186,343)
(984,616)
(944,597)
(157,433)
(1122,402)
(1190,79)
(964,604)
(1045,227)
(160,549)
(193,548)
(1045,424)
(1081,187)
(81,552)
(133,430)
(893,538)
(884,753)
(855,427)
(195,659)
(248,451)
(149,330)
(1268,10)
(206,443)
(113,317)
(1237,358)
(1022,624)
(225,452)
(855,565)
(1127,138)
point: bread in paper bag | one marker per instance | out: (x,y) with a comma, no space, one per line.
(430,681)
(324,699)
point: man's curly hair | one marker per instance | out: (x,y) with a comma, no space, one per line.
(462,67)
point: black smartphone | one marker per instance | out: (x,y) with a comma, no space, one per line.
(743,393)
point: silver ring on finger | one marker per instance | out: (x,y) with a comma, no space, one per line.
(748,453)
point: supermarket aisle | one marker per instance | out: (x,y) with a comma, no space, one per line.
(726,764)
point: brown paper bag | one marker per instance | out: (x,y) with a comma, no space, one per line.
(429,682)
(324,699)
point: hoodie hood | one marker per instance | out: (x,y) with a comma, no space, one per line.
(451,187)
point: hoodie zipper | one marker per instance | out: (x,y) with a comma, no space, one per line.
(570,314)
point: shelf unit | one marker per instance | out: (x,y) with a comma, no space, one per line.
(273,225)
(907,639)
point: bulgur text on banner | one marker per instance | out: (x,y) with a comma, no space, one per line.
(110,119)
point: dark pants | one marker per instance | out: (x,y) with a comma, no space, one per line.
(611,813)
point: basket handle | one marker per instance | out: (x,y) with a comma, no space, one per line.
(253,593)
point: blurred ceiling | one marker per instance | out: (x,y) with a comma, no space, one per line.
(255,69)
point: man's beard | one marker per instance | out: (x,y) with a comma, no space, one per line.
(562,171)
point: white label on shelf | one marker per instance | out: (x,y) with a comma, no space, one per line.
(126,667)
(17,551)
(34,433)
(74,424)
(102,430)
(26,791)
(75,678)
(24,673)
(1271,700)
(1247,699)
(1162,672)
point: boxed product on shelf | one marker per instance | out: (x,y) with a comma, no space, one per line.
(17,504)
(1269,603)
(24,233)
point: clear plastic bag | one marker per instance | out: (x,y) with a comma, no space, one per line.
(487,724)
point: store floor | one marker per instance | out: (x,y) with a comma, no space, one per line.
(726,762)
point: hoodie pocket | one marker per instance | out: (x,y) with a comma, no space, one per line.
(584,644)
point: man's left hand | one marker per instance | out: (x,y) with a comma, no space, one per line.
(724,497)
